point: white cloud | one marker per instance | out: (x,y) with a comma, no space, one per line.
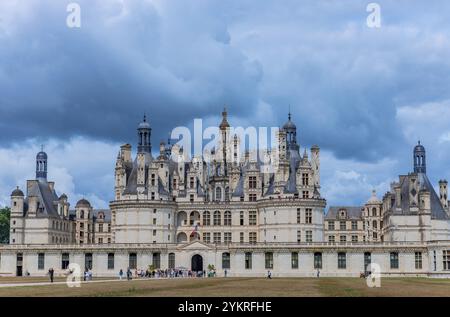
(348,182)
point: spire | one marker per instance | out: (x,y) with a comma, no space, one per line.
(224,124)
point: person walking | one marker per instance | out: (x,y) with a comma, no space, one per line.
(318,273)
(225,273)
(120,274)
(269,275)
(51,273)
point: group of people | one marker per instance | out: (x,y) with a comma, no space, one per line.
(167,273)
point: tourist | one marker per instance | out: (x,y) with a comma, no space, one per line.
(120,274)
(318,273)
(269,275)
(51,273)
(225,273)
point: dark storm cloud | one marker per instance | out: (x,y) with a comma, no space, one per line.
(178,60)
(124,61)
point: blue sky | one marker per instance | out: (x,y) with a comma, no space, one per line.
(364,95)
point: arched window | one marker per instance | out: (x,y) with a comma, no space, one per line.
(217,216)
(317,260)
(206,218)
(227,218)
(225,260)
(374,212)
(218,193)
(82,214)
(374,224)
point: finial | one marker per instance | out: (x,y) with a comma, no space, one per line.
(145,117)
(168,138)
(289,114)
(42,147)
(418,142)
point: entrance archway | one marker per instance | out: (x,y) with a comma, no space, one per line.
(197,263)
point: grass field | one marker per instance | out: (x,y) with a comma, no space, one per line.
(235,287)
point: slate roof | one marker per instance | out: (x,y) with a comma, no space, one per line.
(353,212)
(437,210)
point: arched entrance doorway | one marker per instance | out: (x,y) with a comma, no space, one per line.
(197,263)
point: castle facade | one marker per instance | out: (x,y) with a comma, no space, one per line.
(230,212)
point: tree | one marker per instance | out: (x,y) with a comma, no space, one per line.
(4,225)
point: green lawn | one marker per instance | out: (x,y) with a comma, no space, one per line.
(241,287)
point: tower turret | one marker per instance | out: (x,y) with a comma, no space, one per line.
(291,134)
(41,166)
(419,157)
(144,134)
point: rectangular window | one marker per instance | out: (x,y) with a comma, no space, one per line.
(354,238)
(252,182)
(252,218)
(308,236)
(171,260)
(217,237)
(269,260)
(299,236)
(100,227)
(308,215)
(305,179)
(331,239)
(41,260)
(154,221)
(88,261)
(343,239)
(248,260)
(354,225)
(241,218)
(330,225)
(227,237)
(252,197)
(156,260)
(241,237)
(418,260)
(154,232)
(298,215)
(65,261)
(294,260)
(342,260)
(446,259)
(342,225)
(394,260)
(100,240)
(207,237)
(317,260)
(132,261)
(110,261)
(252,237)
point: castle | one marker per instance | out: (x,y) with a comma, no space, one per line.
(228,211)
